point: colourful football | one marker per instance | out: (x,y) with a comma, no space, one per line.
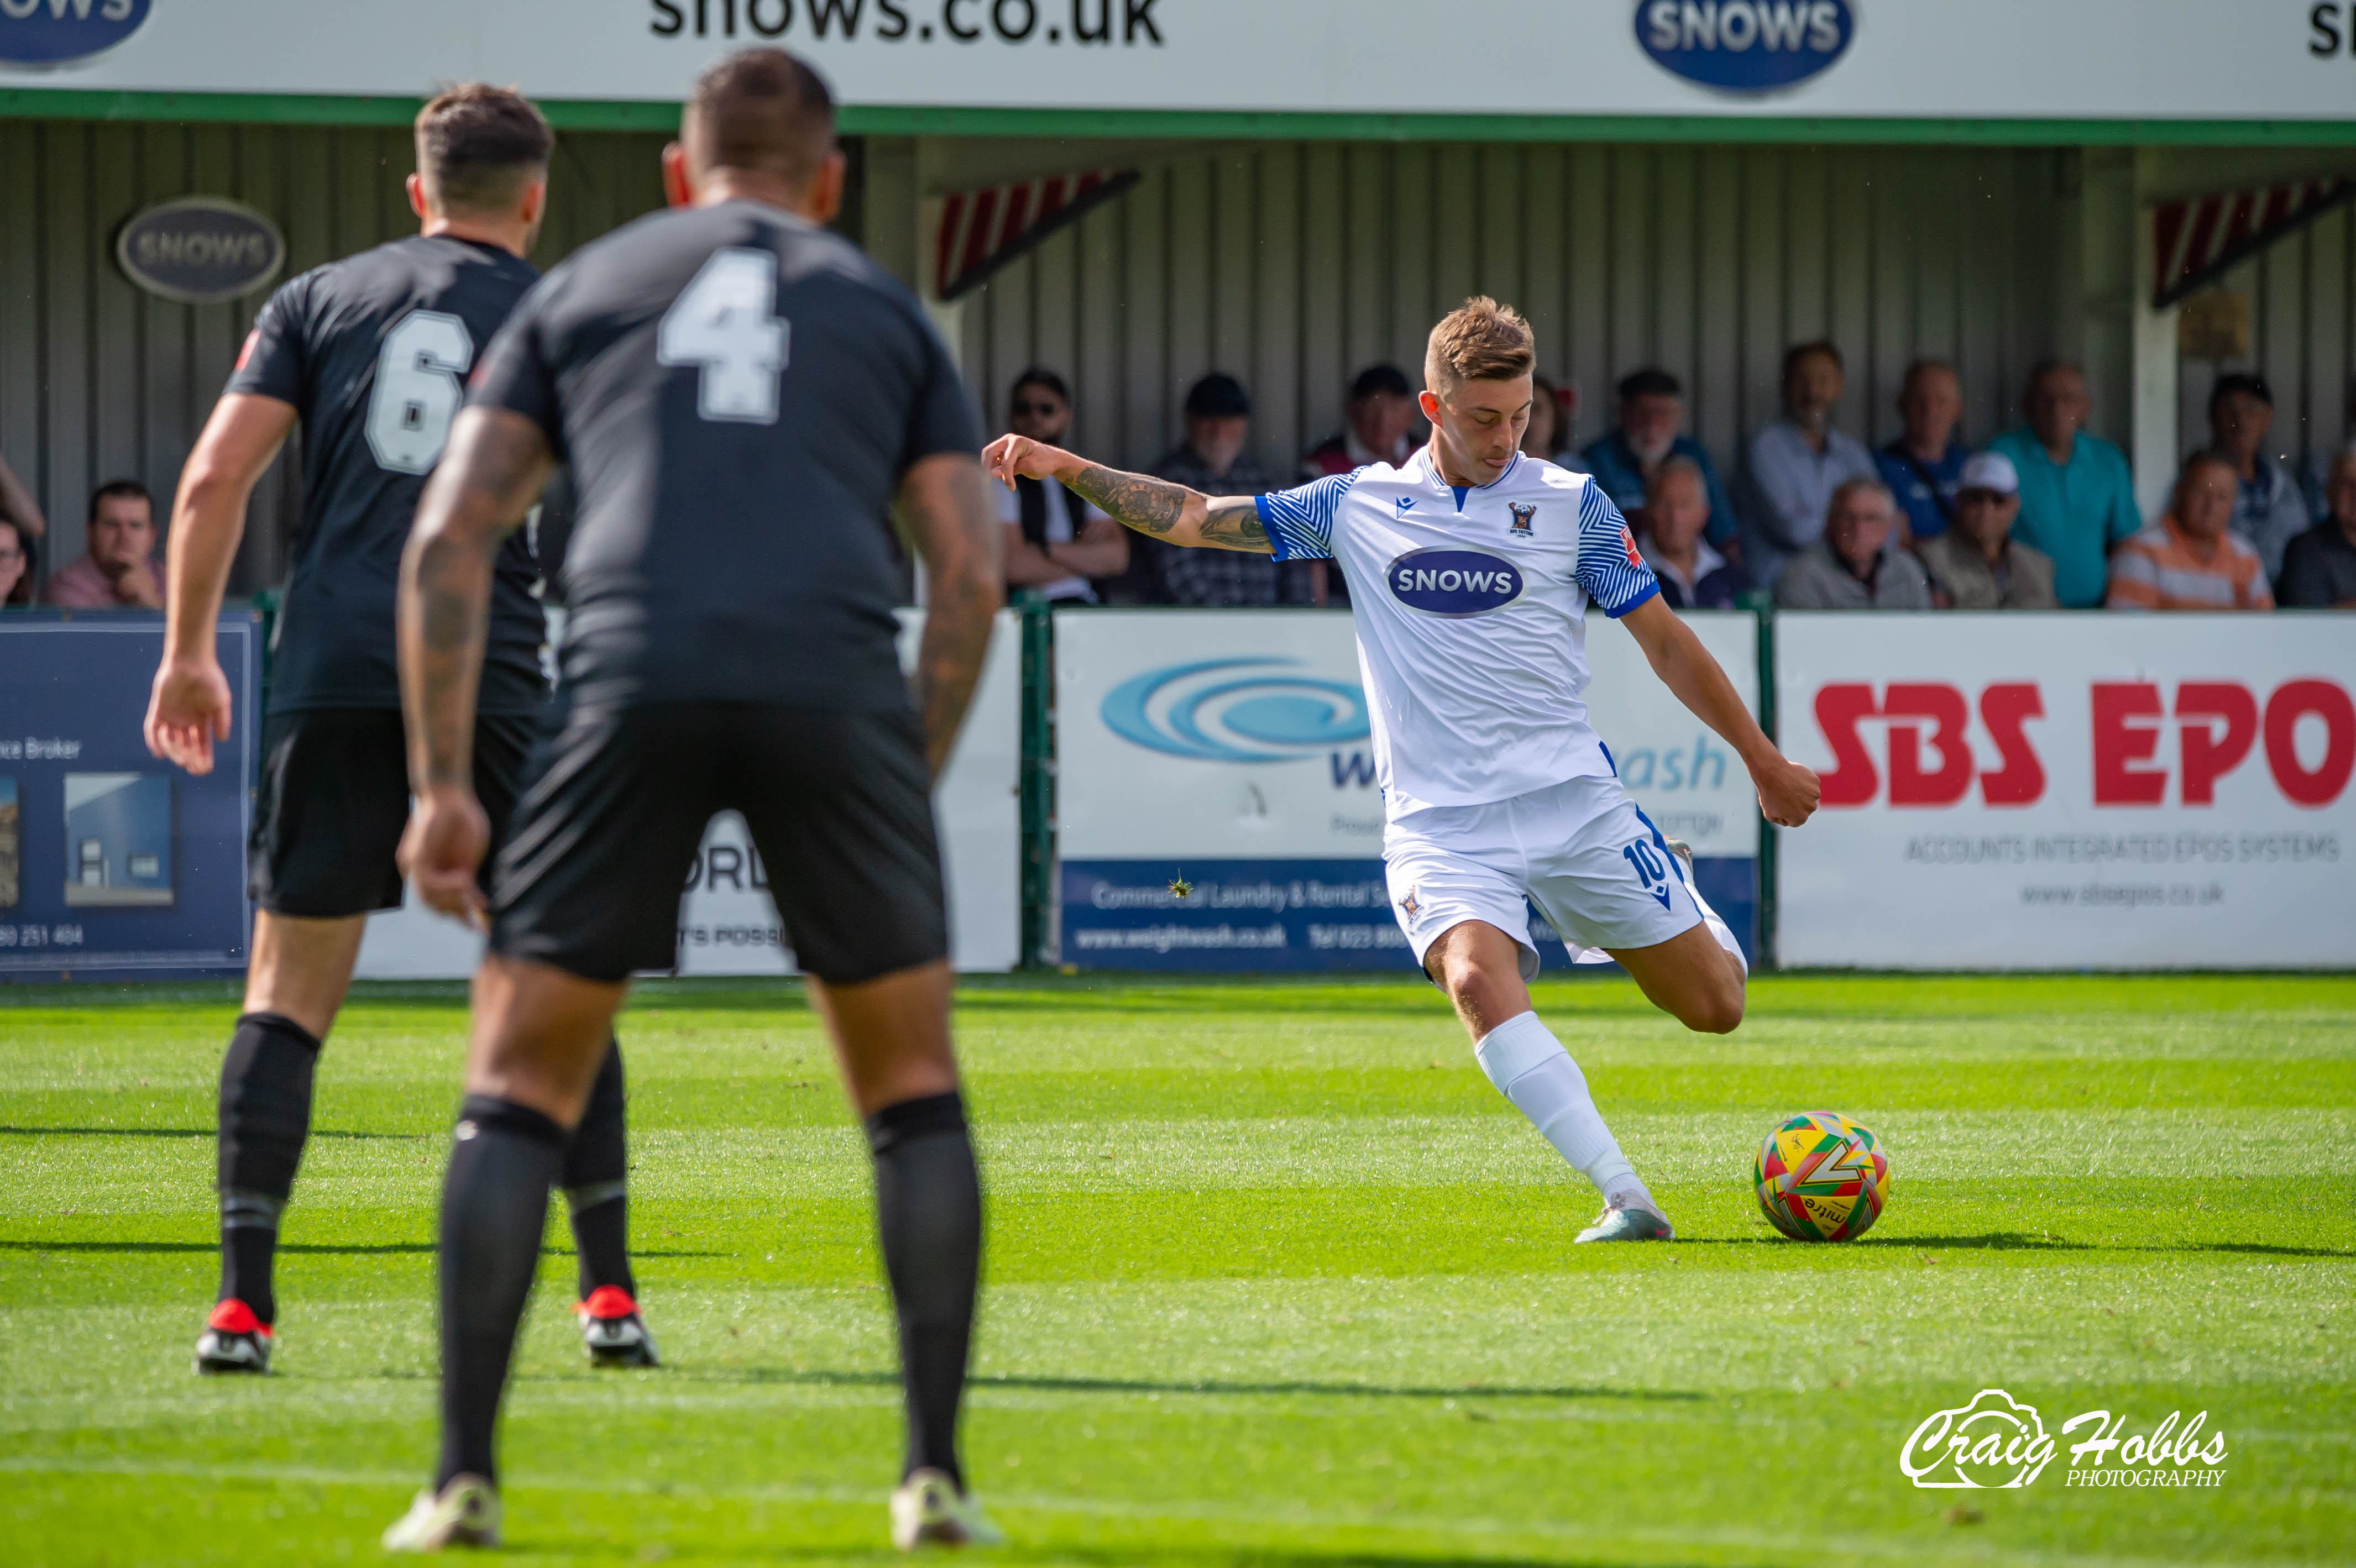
(1822,1178)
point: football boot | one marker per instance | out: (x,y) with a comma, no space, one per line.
(464,1513)
(928,1510)
(612,1332)
(234,1340)
(1623,1222)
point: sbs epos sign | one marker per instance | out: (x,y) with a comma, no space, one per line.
(40,33)
(199,250)
(1745,46)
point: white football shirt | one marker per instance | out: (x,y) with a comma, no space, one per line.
(1470,606)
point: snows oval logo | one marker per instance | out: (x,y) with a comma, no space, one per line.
(1745,46)
(1454,582)
(199,250)
(40,33)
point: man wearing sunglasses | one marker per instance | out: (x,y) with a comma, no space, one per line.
(1055,541)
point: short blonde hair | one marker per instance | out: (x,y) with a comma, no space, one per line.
(1481,340)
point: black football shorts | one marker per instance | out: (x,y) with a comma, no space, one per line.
(334,798)
(839,806)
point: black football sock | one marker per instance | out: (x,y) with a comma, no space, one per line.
(596,1166)
(504,1157)
(265,1114)
(929,1208)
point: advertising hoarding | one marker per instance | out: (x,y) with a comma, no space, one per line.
(1230,750)
(2041,792)
(114,864)
(726,923)
(2254,60)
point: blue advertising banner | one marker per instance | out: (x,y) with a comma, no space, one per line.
(114,864)
(1236,916)
(1239,916)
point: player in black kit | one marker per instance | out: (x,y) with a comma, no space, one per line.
(372,354)
(745,400)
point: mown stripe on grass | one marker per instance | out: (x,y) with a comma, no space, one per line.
(521,1486)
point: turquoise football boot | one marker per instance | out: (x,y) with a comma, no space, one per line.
(1629,1223)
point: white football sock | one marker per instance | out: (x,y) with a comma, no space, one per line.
(1530,1068)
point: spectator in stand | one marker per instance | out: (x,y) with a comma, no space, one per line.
(1055,541)
(1648,430)
(2268,510)
(1215,462)
(1798,463)
(118,571)
(1853,564)
(1925,466)
(17,507)
(1677,517)
(1379,426)
(2319,566)
(1547,435)
(15,565)
(1977,564)
(2192,559)
(2077,494)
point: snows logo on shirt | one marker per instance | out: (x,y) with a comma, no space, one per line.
(1454,583)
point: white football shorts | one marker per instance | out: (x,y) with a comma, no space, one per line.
(1580,850)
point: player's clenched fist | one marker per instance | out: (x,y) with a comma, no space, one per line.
(442,849)
(1787,793)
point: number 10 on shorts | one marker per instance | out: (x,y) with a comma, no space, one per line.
(1649,869)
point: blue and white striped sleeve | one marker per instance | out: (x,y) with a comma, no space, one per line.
(1613,574)
(1299,522)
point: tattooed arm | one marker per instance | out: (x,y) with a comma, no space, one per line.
(490,472)
(1155,507)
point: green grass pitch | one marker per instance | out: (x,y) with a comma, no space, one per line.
(1274,1277)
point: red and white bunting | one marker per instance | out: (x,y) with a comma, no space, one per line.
(2199,241)
(982,231)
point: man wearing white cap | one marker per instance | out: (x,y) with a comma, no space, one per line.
(1977,564)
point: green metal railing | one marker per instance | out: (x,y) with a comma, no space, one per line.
(1038,779)
(1762,924)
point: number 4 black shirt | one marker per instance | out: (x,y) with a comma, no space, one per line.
(374,351)
(738,392)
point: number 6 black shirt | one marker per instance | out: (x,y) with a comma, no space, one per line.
(374,351)
(738,392)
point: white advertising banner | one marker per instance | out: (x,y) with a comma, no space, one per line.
(1230,749)
(726,923)
(2257,59)
(2043,791)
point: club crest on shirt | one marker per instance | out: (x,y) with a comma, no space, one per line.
(1525,514)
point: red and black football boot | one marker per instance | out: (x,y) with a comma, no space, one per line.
(612,1332)
(234,1340)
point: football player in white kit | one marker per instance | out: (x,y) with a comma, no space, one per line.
(1470,570)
